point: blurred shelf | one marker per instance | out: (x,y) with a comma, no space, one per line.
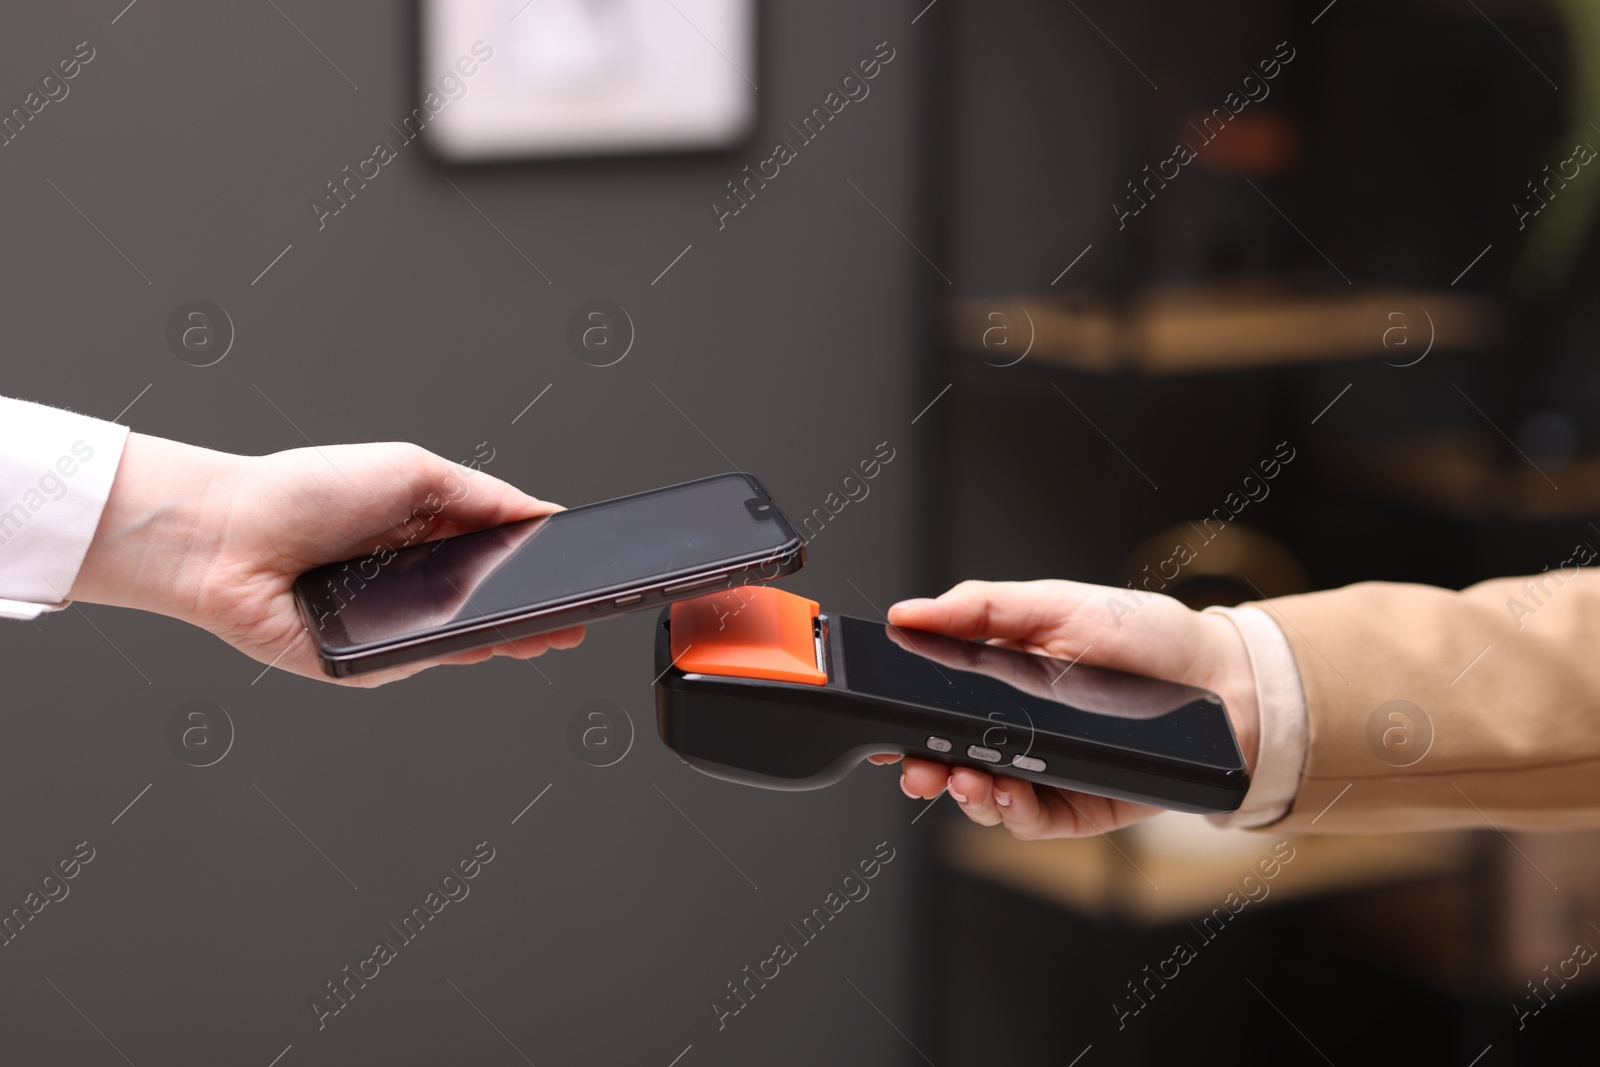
(1177,867)
(1463,475)
(1220,327)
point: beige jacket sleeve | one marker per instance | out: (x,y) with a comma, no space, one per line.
(1428,709)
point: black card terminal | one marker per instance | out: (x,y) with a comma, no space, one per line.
(759,686)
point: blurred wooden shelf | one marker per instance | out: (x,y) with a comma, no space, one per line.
(1177,867)
(1220,327)
(1465,476)
(1472,912)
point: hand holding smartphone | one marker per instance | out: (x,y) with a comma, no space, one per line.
(570,568)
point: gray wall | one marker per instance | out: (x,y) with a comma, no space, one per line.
(606,923)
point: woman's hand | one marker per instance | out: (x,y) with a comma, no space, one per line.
(218,540)
(1143,633)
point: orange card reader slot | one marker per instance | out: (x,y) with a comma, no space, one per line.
(749,632)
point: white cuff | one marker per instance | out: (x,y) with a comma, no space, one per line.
(56,470)
(23,611)
(1284,731)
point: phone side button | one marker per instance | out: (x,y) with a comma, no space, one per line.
(938,744)
(624,601)
(698,583)
(988,755)
(1028,763)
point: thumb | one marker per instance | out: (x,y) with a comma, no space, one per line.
(472,499)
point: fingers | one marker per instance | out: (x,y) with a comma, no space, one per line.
(984,799)
(374,679)
(571,637)
(974,791)
(884,757)
(923,779)
(1027,811)
(995,801)
(981,610)
(539,644)
(1021,810)
(522,648)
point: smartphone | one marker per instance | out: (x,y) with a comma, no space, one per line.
(760,687)
(573,567)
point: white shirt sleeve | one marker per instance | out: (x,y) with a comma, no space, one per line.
(56,470)
(1284,729)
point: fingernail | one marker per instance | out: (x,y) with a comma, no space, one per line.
(960,798)
(1002,798)
(914,603)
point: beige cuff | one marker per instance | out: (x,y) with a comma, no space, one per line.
(1284,730)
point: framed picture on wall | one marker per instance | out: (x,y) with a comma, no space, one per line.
(525,79)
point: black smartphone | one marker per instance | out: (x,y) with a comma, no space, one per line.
(523,578)
(845,688)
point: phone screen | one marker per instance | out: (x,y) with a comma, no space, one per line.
(1020,695)
(610,547)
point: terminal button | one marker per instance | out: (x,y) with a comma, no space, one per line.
(939,744)
(1028,763)
(988,755)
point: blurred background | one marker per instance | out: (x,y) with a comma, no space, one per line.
(984,250)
